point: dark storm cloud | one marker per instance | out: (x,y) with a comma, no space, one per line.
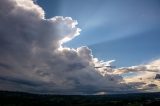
(16,80)
(32,45)
(5,66)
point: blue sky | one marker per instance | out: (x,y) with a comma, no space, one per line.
(125,30)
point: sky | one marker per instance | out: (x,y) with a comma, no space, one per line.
(125,30)
(70,47)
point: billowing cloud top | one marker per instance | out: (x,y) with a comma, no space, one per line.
(33,59)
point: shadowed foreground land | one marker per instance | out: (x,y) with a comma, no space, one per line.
(26,99)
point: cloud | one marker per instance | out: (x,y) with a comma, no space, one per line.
(144,75)
(33,58)
(153,66)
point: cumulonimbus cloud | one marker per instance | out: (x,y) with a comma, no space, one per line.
(33,59)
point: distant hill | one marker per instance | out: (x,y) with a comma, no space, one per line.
(27,99)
